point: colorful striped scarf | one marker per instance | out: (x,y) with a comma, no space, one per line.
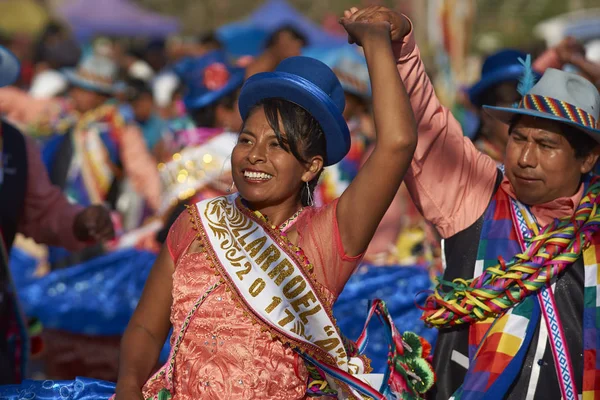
(498,344)
(95,138)
(95,143)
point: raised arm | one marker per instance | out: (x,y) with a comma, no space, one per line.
(448,179)
(362,206)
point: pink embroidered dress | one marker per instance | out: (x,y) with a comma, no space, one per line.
(223,354)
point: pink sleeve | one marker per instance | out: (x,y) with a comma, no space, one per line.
(47,215)
(140,167)
(320,239)
(181,235)
(548,59)
(449,180)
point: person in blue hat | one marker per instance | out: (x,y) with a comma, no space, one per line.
(498,86)
(194,153)
(211,88)
(247,280)
(32,206)
(87,146)
(284,42)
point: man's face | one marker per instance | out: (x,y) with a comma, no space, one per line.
(86,100)
(143,107)
(541,164)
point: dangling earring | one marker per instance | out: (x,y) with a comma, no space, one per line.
(311,201)
(230,188)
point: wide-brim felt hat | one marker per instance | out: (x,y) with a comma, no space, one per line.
(208,78)
(95,73)
(312,85)
(10,68)
(559,96)
(503,66)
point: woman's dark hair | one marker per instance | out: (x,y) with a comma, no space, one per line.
(304,137)
(582,144)
(206,117)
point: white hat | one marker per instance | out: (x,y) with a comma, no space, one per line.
(164,87)
(141,70)
(592,51)
(48,84)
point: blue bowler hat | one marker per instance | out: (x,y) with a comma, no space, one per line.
(313,86)
(208,78)
(500,67)
(9,67)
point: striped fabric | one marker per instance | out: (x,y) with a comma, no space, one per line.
(591,324)
(495,343)
(497,346)
(558,108)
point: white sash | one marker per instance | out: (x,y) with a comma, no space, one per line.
(265,271)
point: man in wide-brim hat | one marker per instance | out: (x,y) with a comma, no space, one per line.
(86,142)
(91,149)
(517,306)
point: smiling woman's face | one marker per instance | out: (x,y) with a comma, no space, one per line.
(541,164)
(265,173)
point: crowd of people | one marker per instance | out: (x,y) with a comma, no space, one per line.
(244,195)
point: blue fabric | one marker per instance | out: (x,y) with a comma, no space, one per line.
(97,297)
(78,389)
(49,148)
(397,286)
(313,86)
